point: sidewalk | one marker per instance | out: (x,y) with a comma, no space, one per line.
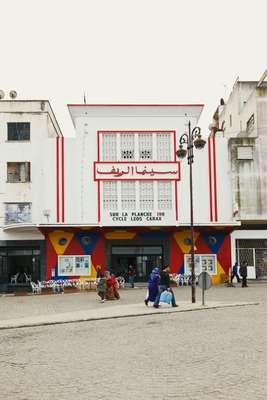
(111,312)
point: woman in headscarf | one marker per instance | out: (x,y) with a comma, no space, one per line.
(152,286)
(112,287)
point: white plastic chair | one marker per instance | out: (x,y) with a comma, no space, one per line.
(14,279)
(36,289)
(28,278)
(121,281)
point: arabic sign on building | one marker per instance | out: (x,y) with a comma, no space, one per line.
(136,170)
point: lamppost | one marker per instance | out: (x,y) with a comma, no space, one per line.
(191,139)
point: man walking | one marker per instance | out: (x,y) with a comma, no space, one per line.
(131,275)
(164,284)
(243,271)
(235,273)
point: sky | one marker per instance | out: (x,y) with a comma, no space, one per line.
(130,51)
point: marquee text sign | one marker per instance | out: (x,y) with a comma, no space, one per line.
(104,171)
(137,216)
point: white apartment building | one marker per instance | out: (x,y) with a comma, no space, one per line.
(243,120)
(30,174)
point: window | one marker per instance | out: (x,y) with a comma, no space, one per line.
(18,131)
(128,201)
(136,250)
(110,195)
(250,124)
(145,146)
(109,147)
(163,147)
(164,195)
(18,213)
(230,120)
(127,146)
(245,153)
(203,262)
(18,172)
(74,265)
(146,195)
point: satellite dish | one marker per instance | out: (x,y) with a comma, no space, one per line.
(211,127)
(2,94)
(13,94)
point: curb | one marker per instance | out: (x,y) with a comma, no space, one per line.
(7,324)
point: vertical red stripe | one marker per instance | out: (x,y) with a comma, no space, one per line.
(98,183)
(57,178)
(98,200)
(62,180)
(175,182)
(98,146)
(210,180)
(176,200)
(174,138)
(215,180)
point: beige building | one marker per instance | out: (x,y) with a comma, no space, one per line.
(243,120)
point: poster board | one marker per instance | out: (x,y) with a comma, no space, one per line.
(74,265)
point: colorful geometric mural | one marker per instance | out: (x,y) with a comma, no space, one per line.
(64,242)
(89,242)
(206,242)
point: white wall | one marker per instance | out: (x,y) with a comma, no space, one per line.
(40,151)
(81,191)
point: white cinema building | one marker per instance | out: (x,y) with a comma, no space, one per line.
(116,194)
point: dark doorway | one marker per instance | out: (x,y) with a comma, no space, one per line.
(19,263)
(143,258)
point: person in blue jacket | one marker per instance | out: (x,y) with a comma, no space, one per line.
(164,284)
(153,286)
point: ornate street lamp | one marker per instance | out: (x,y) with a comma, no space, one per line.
(191,139)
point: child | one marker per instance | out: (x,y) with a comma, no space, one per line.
(102,287)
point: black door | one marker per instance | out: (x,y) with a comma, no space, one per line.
(143,258)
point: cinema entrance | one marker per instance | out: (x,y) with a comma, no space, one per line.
(143,258)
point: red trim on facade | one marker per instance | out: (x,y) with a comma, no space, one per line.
(176,200)
(98,145)
(135,105)
(57,178)
(174,145)
(137,131)
(98,201)
(215,180)
(137,162)
(210,180)
(62,180)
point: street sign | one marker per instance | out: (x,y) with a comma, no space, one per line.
(204,282)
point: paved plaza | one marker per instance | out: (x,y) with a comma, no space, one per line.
(209,354)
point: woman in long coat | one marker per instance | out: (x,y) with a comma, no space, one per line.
(153,286)
(112,289)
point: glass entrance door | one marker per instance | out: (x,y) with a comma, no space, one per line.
(143,258)
(145,264)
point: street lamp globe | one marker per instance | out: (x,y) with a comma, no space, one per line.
(199,143)
(181,152)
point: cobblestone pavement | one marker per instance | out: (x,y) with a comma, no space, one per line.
(24,306)
(207,355)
